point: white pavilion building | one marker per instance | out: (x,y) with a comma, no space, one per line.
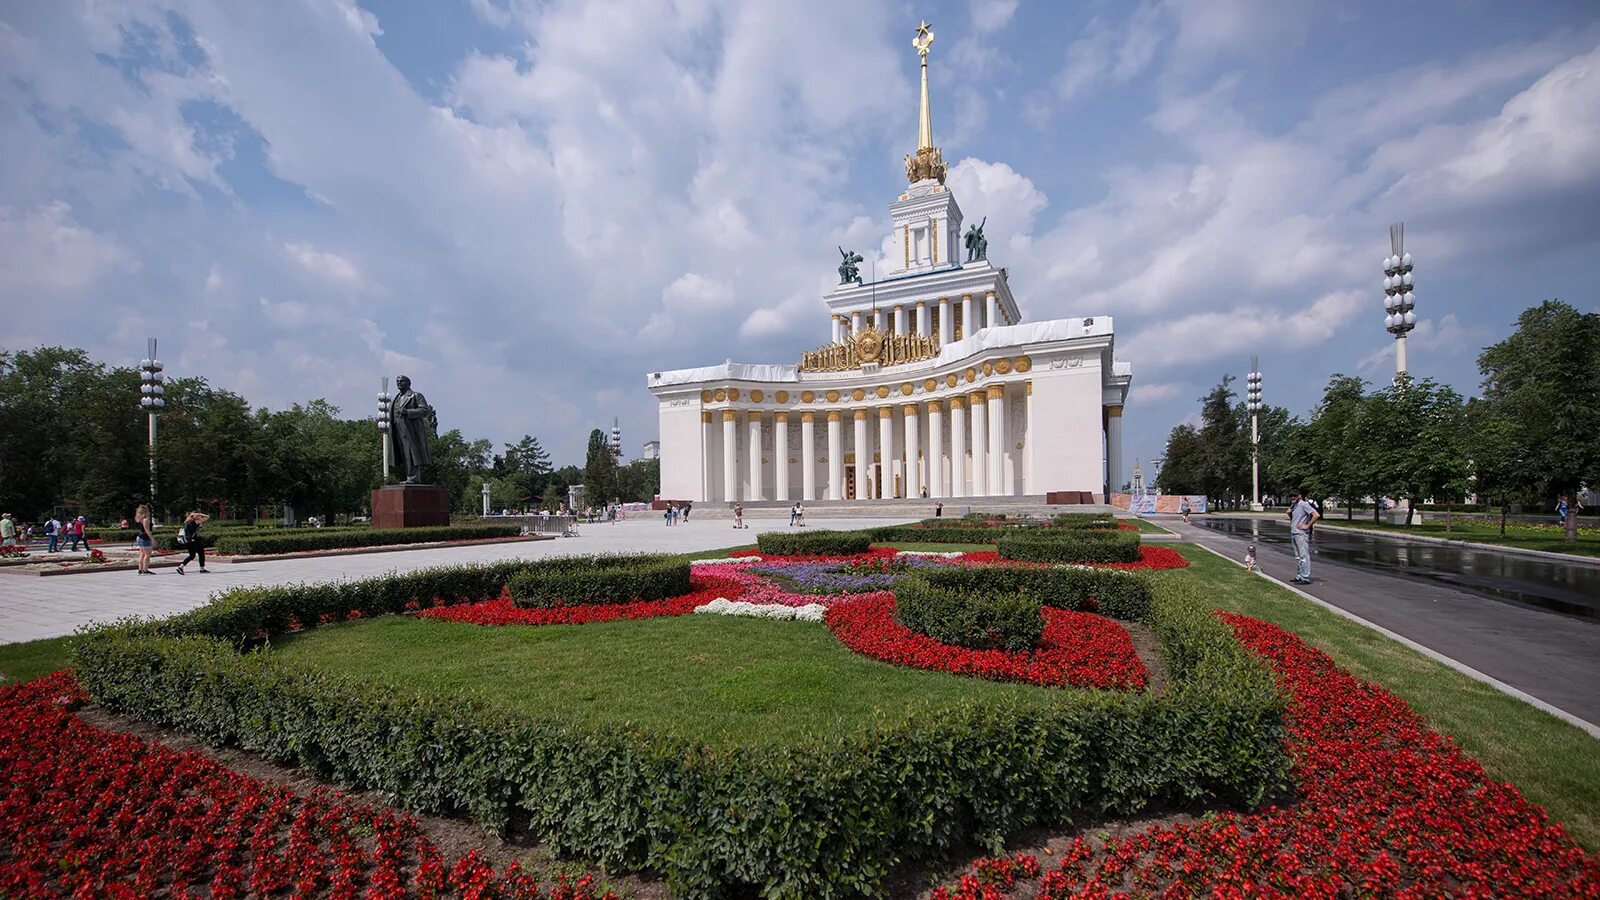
(932,385)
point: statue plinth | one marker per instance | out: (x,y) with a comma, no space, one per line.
(410,506)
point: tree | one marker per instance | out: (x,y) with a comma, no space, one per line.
(1182,463)
(1499,455)
(455,462)
(522,471)
(1334,432)
(1543,382)
(639,481)
(600,469)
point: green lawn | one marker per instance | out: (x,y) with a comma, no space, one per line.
(30,659)
(723,679)
(1553,763)
(1145,526)
(1526,537)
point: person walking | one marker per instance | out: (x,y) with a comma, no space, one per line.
(687,505)
(144,538)
(794,514)
(193,541)
(738,515)
(800,515)
(75,531)
(8,531)
(1183,510)
(52,530)
(1301,517)
(1561,510)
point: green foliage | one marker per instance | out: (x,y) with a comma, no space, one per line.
(298,540)
(813,543)
(618,578)
(600,482)
(1120,595)
(1090,521)
(827,817)
(1081,546)
(978,619)
(955,533)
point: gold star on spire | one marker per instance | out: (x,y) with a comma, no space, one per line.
(927,162)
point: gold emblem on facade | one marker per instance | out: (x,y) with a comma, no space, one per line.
(988,368)
(1003,366)
(858,394)
(756,396)
(721,394)
(951,380)
(883,391)
(783,397)
(833,396)
(870,346)
(908,389)
(705,396)
(733,393)
(972,375)
(808,396)
(930,385)
(1024,363)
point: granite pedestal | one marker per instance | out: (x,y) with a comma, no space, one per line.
(410,506)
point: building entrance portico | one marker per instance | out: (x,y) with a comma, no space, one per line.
(931,382)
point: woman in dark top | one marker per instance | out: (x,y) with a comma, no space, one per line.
(192,541)
(143,538)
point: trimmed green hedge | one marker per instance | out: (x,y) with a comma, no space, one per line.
(1070,546)
(826,818)
(1120,595)
(979,619)
(619,578)
(1084,520)
(302,539)
(813,543)
(938,534)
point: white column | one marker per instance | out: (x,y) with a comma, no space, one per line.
(863,454)
(835,456)
(913,445)
(708,438)
(855,322)
(808,456)
(780,456)
(969,316)
(923,326)
(838,329)
(1114,451)
(730,456)
(900,319)
(753,420)
(997,442)
(980,444)
(991,311)
(958,446)
(947,325)
(886,452)
(936,448)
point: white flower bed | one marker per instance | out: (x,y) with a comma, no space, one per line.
(934,553)
(730,561)
(811,612)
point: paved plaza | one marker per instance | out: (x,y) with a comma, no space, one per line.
(32,607)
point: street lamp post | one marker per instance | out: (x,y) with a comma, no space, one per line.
(1397,298)
(383,425)
(486,499)
(1253,402)
(151,397)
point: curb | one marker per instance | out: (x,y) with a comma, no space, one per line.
(1592,729)
(1466,545)
(306,554)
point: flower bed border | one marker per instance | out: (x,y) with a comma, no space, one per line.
(714,819)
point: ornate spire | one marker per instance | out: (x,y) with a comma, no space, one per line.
(928,162)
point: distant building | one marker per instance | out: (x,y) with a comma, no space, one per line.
(652,450)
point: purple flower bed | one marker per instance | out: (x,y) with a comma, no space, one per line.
(843,578)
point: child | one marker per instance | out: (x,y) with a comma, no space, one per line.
(1250,559)
(738,515)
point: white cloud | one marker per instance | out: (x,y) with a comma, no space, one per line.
(46,249)
(323,264)
(991,15)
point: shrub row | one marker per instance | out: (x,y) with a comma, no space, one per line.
(1120,595)
(827,818)
(939,534)
(977,619)
(618,578)
(1070,546)
(303,539)
(813,543)
(1084,520)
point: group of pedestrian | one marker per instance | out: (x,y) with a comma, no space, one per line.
(59,534)
(675,512)
(797,515)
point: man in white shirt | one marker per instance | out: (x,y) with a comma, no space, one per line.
(1301,516)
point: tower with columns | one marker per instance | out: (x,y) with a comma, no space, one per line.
(931,384)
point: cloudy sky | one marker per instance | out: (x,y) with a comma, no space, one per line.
(528,206)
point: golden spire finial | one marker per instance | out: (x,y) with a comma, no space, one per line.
(922,42)
(928,162)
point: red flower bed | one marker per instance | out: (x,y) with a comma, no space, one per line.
(1078,649)
(873,553)
(1388,808)
(1150,559)
(91,813)
(501,611)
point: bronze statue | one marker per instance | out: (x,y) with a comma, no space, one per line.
(848,270)
(412,422)
(977,244)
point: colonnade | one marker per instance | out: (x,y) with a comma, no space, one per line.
(947,318)
(892,451)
